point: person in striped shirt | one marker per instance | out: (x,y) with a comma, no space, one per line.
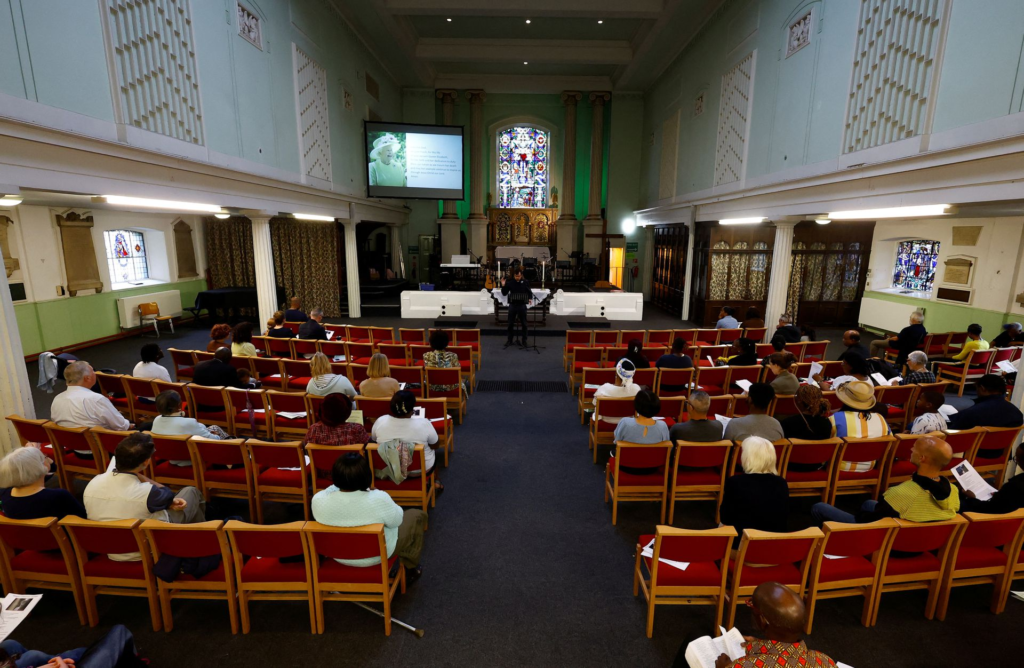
(858,419)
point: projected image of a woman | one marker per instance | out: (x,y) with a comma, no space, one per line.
(386,167)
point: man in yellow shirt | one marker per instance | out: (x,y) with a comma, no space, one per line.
(974,342)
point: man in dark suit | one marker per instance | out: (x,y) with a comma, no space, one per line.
(851,339)
(217,372)
(787,330)
(312,329)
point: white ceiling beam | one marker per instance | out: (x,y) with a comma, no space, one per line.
(522,83)
(642,9)
(577,52)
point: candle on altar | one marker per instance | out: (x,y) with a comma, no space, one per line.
(543,267)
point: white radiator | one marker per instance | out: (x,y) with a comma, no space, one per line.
(881,315)
(128,307)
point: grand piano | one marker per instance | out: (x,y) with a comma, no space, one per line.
(229,302)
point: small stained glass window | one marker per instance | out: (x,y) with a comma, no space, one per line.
(915,265)
(523,161)
(126,256)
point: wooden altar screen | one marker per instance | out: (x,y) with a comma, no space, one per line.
(520,227)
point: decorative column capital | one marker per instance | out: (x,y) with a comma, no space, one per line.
(447,94)
(476,96)
(571,97)
(785,223)
(598,98)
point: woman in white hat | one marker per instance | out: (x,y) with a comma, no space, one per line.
(858,419)
(625,370)
(386,170)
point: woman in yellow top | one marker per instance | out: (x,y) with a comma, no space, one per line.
(974,342)
(241,340)
(386,170)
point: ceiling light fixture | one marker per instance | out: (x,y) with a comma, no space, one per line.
(894,212)
(10,200)
(628,226)
(527,21)
(823,221)
(222,216)
(449,20)
(741,221)
(525,63)
(313,216)
(600,22)
(158,203)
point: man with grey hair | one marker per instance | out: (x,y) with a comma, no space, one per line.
(697,428)
(787,330)
(905,342)
(79,406)
(312,329)
(917,363)
(1010,336)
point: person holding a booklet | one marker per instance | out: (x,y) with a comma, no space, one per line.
(313,328)
(1006,499)
(332,426)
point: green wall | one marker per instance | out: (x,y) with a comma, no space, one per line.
(65,322)
(941,317)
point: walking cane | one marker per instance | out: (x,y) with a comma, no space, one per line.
(419,632)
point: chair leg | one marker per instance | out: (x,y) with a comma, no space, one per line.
(650,615)
(615,509)
(232,609)
(243,610)
(636,572)
(80,605)
(731,621)
(90,606)
(934,590)
(672,510)
(319,604)
(387,612)
(259,508)
(945,587)
(165,610)
(719,605)
(311,601)
(812,600)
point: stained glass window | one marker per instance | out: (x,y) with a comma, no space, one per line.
(523,161)
(915,264)
(126,256)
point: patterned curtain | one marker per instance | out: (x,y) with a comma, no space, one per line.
(833,272)
(796,277)
(306,262)
(229,253)
(738,272)
(759,268)
(719,272)
(852,273)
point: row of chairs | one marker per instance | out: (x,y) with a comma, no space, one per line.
(942,344)
(842,560)
(400,353)
(289,562)
(975,365)
(697,471)
(660,337)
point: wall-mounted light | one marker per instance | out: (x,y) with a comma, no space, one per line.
(894,212)
(628,226)
(157,203)
(742,221)
(222,216)
(823,221)
(10,200)
(313,216)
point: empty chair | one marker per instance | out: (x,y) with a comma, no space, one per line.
(707,355)
(446,384)
(381,335)
(816,482)
(575,338)
(994,452)
(357,334)
(373,408)
(814,351)
(660,337)
(215,479)
(397,353)
(755,334)
(169,462)
(249,412)
(339,332)
(297,375)
(106,442)
(268,370)
(358,353)
(36,553)
(899,399)
(184,364)
(412,376)
(713,380)
(580,359)
(407,335)
(277,347)
(71,447)
(334,350)
(973,367)
(435,411)
(465,355)
(32,431)
(112,387)
(303,348)
(470,338)
(149,314)
(279,474)
(848,481)
(288,413)
(699,474)
(729,335)
(606,338)
(357,373)
(645,377)
(706,337)
(621,485)
(210,406)
(673,382)
(671,410)
(702,582)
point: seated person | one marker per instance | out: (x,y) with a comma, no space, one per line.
(927,497)
(172,421)
(742,353)
(379,382)
(295,312)
(324,381)
(270,325)
(439,357)
(726,319)
(124,492)
(787,330)
(778,345)
(1008,498)
(350,502)
(917,363)
(974,342)
(624,370)
(1010,336)
(929,418)
(807,333)
(280,330)
(642,428)
(219,338)
(753,319)
(24,495)
(401,424)
(313,327)
(851,339)
(990,409)
(811,422)
(332,426)
(909,338)
(217,372)
(758,423)
(785,382)
(149,367)
(115,648)
(246,381)
(698,428)
(241,340)
(79,406)
(677,359)
(759,497)
(855,367)
(858,419)
(634,353)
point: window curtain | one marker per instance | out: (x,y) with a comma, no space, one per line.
(229,253)
(306,262)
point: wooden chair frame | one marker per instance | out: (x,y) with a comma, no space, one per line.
(192,480)
(446,435)
(211,488)
(606,437)
(698,492)
(575,378)
(423,497)
(338,450)
(286,431)
(998,469)
(280,493)
(16,581)
(584,402)
(227,424)
(68,472)
(961,373)
(616,492)
(821,488)
(177,366)
(457,404)
(861,485)
(101,434)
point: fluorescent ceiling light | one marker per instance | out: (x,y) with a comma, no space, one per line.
(10,200)
(160,204)
(823,221)
(222,216)
(893,212)
(313,216)
(741,221)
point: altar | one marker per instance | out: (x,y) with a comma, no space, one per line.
(521,232)
(430,304)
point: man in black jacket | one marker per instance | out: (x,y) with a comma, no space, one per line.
(217,372)
(519,295)
(312,329)
(787,330)
(851,339)
(907,341)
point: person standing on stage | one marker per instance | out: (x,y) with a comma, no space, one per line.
(519,295)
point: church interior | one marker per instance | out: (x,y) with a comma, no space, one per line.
(542,185)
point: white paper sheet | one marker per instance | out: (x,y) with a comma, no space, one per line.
(815,369)
(744,384)
(971,480)
(294,468)
(880,379)
(648,552)
(401,386)
(16,608)
(711,360)
(292,415)
(419,411)
(588,386)
(724,420)
(339,358)
(946,410)
(1006,367)
(1018,595)
(330,334)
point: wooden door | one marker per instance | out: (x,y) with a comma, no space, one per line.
(732,266)
(829,271)
(669,272)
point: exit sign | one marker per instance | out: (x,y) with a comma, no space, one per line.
(632,246)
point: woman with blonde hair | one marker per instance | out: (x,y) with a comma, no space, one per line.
(324,381)
(759,497)
(379,382)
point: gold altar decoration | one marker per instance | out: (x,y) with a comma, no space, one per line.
(522,227)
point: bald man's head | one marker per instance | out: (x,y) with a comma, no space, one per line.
(850,337)
(223,354)
(782,608)
(931,453)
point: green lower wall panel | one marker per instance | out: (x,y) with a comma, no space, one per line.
(942,317)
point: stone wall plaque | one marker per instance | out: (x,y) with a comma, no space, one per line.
(958,271)
(966,235)
(185,250)
(79,253)
(11,264)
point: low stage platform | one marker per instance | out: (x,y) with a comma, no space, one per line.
(627,306)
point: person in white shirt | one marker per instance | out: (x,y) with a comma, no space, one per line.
(929,418)
(79,406)
(172,422)
(625,370)
(150,367)
(124,492)
(401,424)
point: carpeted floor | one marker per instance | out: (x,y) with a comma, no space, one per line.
(522,567)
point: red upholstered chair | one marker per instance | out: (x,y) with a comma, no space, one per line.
(602,432)
(372,408)
(627,335)
(781,453)
(471,338)
(184,364)
(417,492)
(298,420)
(575,338)
(847,563)
(256,553)
(899,398)
(764,350)
(877,450)
(673,378)
(339,332)
(924,387)
(32,431)
(797,349)
(37,554)
(406,335)
(713,379)
(994,451)
(769,557)
(622,486)
(606,338)
(455,398)
(210,405)
(410,375)
(269,371)
(706,337)
(751,374)
(358,353)
(192,541)
(233,483)
(321,462)
(279,474)
(303,348)
(955,343)
(729,335)
(99,574)
(932,543)
(688,335)
(174,448)
(293,325)
(974,366)
(381,335)
(313,404)
(612,355)
(703,581)
(65,441)
(106,441)
(112,388)
(740,405)
(811,483)
(591,380)
(965,444)
(261,345)
(722,404)
(357,334)
(660,337)
(277,347)
(297,375)
(357,373)
(699,474)
(814,351)
(783,406)
(703,352)
(465,355)
(935,344)
(755,334)
(834,403)
(671,411)
(240,362)
(646,378)
(416,353)
(241,402)
(335,350)
(436,411)
(201,356)
(333,581)
(984,552)
(397,353)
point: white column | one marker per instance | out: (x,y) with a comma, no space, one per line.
(476,222)
(647,263)
(782,262)
(352,269)
(263,260)
(597,101)
(448,117)
(688,278)
(397,252)
(15,391)
(565,227)
(451,238)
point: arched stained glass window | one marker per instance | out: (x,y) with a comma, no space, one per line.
(915,264)
(523,161)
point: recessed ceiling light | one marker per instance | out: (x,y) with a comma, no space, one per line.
(158,203)
(753,220)
(222,216)
(525,63)
(894,212)
(600,22)
(527,21)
